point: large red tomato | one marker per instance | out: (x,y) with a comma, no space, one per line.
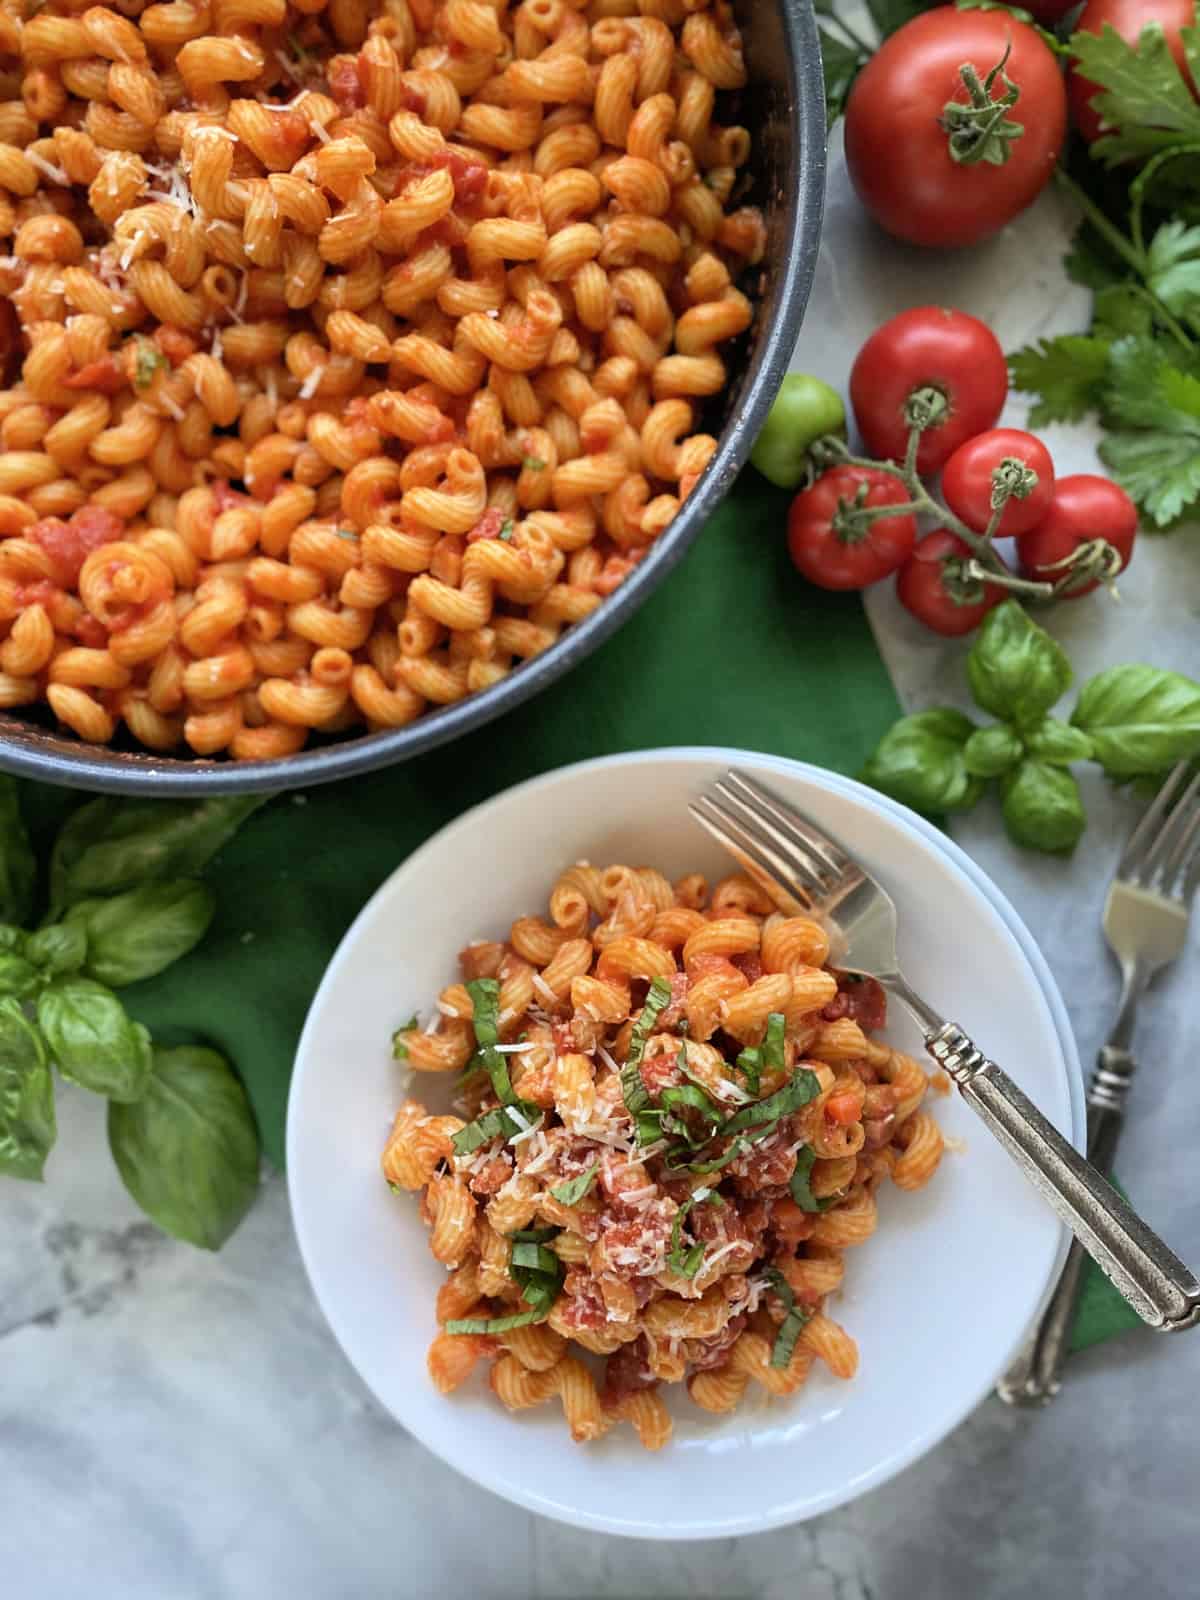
(1128,17)
(924,169)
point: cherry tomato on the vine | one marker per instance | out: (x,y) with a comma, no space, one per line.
(833,545)
(944,149)
(1128,17)
(1085,508)
(935,354)
(934,586)
(969,480)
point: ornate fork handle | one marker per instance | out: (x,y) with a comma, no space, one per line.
(1159,1287)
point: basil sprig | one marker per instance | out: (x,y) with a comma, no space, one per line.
(1134,721)
(633,1090)
(795,1318)
(801,1190)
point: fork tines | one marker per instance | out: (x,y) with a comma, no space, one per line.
(1163,852)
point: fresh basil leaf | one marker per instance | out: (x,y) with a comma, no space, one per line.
(18,870)
(802,1087)
(1058,743)
(694,1098)
(1015,669)
(633,1090)
(58,949)
(400,1049)
(774,1057)
(801,1192)
(149,361)
(491,1125)
(12,939)
(534,1235)
(91,1039)
(686,1263)
(840,63)
(108,846)
(573,1190)
(137,934)
(749,1062)
(27,1123)
(795,1318)
(919,761)
(993,750)
(1140,719)
(525,1253)
(187,1151)
(19,977)
(1042,807)
(519,1319)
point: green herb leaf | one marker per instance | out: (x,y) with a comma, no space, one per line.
(485,1000)
(18,870)
(1015,669)
(491,1125)
(749,1062)
(801,1192)
(1058,743)
(1067,373)
(840,64)
(919,761)
(1152,410)
(148,362)
(1092,261)
(573,1190)
(12,939)
(534,1235)
(187,1151)
(92,1040)
(535,1256)
(1140,719)
(1121,312)
(1160,472)
(19,977)
(400,1049)
(135,935)
(506,530)
(802,1087)
(58,949)
(27,1122)
(1042,807)
(519,1319)
(796,1317)
(991,751)
(1143,93)
(1173,264)
(686,1263)
(111,845)
(633,1090)
(538,1271)
(533,463)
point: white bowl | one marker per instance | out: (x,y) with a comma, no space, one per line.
(938,1299)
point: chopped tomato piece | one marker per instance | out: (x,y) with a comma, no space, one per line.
(412,99)
(345,83)
(104,374)
(843,1107)
(91,631)
(68,544)
(750,963)
(226,498)
(174,343)
(489,525)
(861,999)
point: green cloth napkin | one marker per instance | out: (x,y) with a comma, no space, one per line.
(733,650)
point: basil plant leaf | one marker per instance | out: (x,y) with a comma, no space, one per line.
(18,870)
(19,977)
(1058,743)
(12,939)
(187,1151)
(919,761)
(134,935)
(1140,719)
(108,846)
(992,751)
(1015,669)
(27,1123)
(1043,808)
(58,949)
(92,1040)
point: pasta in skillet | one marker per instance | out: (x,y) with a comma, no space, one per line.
(354,350)
(674,1123)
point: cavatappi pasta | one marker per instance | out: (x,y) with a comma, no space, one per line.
(354,350)
(672,1122)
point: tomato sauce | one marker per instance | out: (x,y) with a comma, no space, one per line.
(859,998)
(68,544)
(104,374)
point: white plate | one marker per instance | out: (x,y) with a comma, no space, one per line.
(939,1298)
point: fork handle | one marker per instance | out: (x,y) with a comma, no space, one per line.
(1033,1377)
(1159,1287)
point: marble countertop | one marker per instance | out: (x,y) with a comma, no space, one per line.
(175,1426)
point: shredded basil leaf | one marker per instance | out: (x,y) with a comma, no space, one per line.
(148,361)
(573,1190)
(797,1091)
(534,463)
(506,530)
(394,1187)
(750,1062)
(347,533)
(633,1090)
(770,1056)
(797,1316)
(485,999)
(519,1319)
(687,1264)
(491,1125)
(526,1253)
(534,1235)
(399,1048)
(801,1192)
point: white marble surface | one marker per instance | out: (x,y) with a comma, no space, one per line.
(180,1427)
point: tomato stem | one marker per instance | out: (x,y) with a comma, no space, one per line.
(1012,479)
(979,130)
(1009,580)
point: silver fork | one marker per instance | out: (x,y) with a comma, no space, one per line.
(1146,922)
(802,868)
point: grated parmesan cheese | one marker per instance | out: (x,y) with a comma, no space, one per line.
(55,174)
(309,388)
(544,989)
(719,1255)
(520,1138)
(169,404)
(516,1049)
(215,350)
(433,1024)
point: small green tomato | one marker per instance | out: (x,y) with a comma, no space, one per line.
(805,410)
